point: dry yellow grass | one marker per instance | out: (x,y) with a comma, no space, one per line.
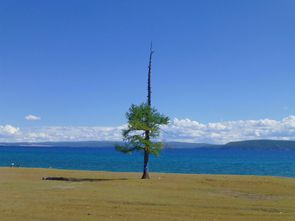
(123,196)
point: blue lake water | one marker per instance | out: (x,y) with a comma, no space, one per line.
(199,161)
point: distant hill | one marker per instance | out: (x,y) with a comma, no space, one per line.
(247,145)
(98,144)
(262,145)
(188,145)
(94,144)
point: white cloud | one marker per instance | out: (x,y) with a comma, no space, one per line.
(71,133)
(31,117)
(226,131)
(8,132)
(178,130)
(8,129)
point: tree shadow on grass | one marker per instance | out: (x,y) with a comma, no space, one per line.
(71,179)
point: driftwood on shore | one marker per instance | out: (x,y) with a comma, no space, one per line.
(71,179)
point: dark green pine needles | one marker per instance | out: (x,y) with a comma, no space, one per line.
(142,118)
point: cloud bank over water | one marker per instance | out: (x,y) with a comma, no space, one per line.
(178,130)
(227,131)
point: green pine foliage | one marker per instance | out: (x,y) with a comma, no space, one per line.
(142,119)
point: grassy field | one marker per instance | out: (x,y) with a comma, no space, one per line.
(24,196)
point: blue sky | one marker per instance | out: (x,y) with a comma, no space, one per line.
(82,63)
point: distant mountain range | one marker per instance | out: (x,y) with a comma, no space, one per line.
(247,145)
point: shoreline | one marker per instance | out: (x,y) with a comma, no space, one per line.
(151,172)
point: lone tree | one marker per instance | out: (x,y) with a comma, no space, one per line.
(144,123)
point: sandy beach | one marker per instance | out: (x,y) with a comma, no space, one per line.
(85,195)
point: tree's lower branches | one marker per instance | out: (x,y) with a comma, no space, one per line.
(141,145)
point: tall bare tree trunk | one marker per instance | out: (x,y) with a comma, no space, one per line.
(145,174)
(149,96)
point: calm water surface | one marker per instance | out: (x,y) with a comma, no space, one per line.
(203,161)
